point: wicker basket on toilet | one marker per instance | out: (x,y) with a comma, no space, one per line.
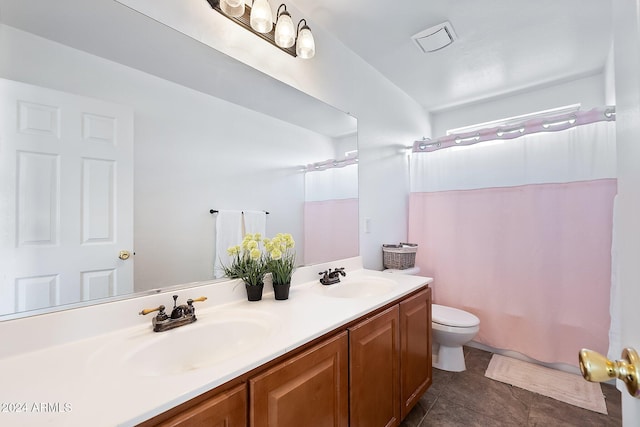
(400,256)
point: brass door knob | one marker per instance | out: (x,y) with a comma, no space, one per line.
(124,255)
(597,368)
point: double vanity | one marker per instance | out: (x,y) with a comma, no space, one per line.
(357,352)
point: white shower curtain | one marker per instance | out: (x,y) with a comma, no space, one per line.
(582,153)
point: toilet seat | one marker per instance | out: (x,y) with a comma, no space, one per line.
(449,316)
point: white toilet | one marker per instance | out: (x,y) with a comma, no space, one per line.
(451,329)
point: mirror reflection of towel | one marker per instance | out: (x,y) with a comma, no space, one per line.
(229,226)
(255,222)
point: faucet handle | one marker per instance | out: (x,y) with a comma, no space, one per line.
(151,310)
(190,310)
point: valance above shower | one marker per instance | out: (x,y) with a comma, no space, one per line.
(514,128)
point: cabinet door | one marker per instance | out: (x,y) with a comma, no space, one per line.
(310,389)
(415,349)
(374,371)
(228,409)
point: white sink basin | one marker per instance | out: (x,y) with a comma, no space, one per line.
(358,287)
(212,339)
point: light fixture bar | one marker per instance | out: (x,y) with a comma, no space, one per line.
(245,22)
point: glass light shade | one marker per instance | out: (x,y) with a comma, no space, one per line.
(261,16)
(233,8)
(285,32)
(306,46)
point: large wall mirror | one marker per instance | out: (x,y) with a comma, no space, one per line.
(111,141)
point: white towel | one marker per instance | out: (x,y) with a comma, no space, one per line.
(255,222)
(228,233)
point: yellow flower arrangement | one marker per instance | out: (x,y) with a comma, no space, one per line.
(281,257)
(247,261)
(256,256)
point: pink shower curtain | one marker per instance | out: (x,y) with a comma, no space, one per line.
(532,261)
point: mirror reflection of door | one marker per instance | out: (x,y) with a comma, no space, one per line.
(67,204)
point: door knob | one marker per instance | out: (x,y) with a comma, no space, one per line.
(597,368)
(124,255)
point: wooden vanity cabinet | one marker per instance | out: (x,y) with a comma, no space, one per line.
(310,389)
(415,349)
(226,409)
(369,373)
(390,362)
(374,370)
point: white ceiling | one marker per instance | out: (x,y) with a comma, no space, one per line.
(503,45)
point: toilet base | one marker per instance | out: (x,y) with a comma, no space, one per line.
(449,359)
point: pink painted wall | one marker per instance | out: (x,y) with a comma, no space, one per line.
(533,262)
(329,233)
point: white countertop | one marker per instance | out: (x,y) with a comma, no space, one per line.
(55,371)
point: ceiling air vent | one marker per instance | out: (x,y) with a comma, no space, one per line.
(435,38)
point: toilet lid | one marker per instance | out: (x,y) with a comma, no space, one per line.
(450,316)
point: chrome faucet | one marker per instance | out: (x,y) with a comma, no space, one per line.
(182,314)
(332,277)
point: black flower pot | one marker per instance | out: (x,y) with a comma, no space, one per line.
(281,291)
(254,292)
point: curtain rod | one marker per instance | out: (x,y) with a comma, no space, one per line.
(331,163)
(515,130)
(215,211)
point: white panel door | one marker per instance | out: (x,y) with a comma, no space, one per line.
(626,15)
(66,198)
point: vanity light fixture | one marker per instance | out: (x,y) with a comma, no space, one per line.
(258,18)
(261,18)
(306,45)
(285,31)
(233,8)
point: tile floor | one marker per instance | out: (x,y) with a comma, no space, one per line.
(470,399)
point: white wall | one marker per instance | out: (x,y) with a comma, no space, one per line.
(193,152)
(388,119)
(588,91)
(345,143)
(610,78)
